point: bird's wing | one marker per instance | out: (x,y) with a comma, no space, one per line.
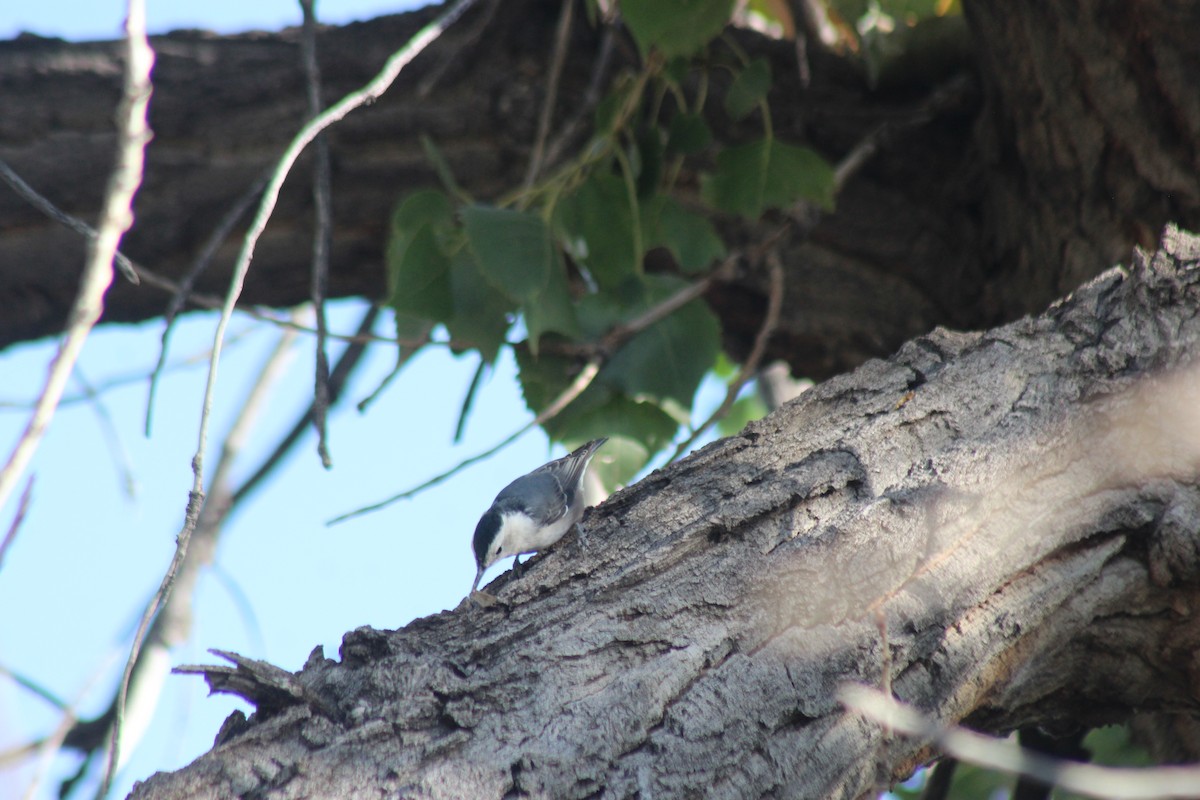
(543,490)
(569,469)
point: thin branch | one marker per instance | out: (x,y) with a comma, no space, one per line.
(27,193)
(470,39)
(212,302)
(18,518)
(322,235)
(561,37)
(50,746)
(182,291)
(590,98)
(117,216)
(338,378)
(626,331)
(368,93)
(1092,780)
(34,687)
(273,368)
(112,436)
(770,323)
(581,382)
(407,351)
(117,381)
(164,622)
(941,98)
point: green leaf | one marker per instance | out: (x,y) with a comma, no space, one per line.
(481,312)
(665,361)
(513,249)
(543,378)
(641,421)
(421,277)
(409,329)
(425,208)
(688,135)
(767,174)
(690,238)
(597,223)
(551,309)
(748,89)
(675,27)
(619,461)
(798,173)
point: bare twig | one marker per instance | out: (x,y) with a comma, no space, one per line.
(561,38)
(49,746)
(770,323)
(945,95)
(273,368)
(166,619)
(322,235)
(27,192)
(368,93)
(110,433)
(18,518)
(581,382)
(34,687)
(590,98)
(115,219)
(183,289)
(349,359)
(213,302)
(469,39)
(407,351)
(624,332)
(1112,783)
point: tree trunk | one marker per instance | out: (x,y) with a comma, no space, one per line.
(1000,527)
(1020,154)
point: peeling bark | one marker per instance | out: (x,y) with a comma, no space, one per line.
(1000,526)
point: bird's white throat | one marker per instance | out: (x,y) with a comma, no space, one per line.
(519,534)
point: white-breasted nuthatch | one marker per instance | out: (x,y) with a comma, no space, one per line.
(534,511)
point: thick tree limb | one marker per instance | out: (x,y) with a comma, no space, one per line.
(1017,507)
(1072,140)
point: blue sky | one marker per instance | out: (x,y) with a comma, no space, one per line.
(80,20)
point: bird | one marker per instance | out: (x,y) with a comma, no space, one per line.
(534,511)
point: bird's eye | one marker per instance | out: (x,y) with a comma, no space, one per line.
(499,549)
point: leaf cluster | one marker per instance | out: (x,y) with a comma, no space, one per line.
(563,262)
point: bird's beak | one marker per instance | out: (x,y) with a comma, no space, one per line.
(478,575)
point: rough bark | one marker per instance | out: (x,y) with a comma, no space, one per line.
(1074,139)
(1001,525)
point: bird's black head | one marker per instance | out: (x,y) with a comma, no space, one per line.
(485,534)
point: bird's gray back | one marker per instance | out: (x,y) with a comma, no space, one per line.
(543,490)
